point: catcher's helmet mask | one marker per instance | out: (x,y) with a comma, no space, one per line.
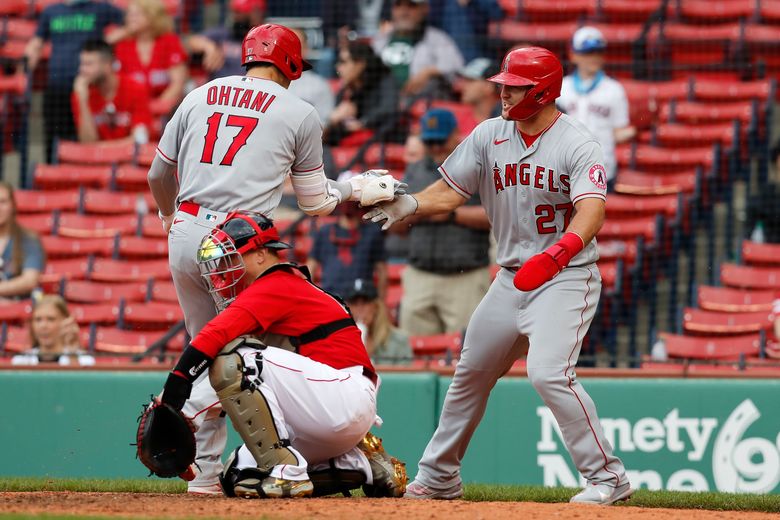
(220,255)
(277,45)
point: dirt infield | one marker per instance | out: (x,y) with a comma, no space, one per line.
(183,506)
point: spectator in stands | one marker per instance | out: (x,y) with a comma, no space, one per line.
(220,46)
(481,95)
(343,20)
(54,336)
(448,273)
(311,87)
(468,21)
(763,209)
(368,98)
(385,344)
(423,59)
(346,250)
(594,98)
(107,106)
(152,53)
(67,25)
(22,260)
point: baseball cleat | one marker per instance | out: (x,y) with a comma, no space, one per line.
(389,473)
(602,494)
(282,488)
(419,491)
(209,489)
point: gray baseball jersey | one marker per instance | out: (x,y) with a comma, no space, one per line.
(235,138)
(529,192)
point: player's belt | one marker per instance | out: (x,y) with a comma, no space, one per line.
(513,269)
(190,208)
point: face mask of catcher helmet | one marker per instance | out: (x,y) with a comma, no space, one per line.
(222,267)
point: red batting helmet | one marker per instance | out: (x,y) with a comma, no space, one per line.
(276,44)
(533,67)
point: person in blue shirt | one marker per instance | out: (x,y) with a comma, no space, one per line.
(67,25)
(22,260)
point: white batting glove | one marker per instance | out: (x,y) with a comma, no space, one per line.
(167,221)
(391,212)
(374,186)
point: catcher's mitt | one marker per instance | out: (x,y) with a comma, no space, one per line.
(166,440)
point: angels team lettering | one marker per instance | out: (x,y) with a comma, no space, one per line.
(533,176)
(240,98)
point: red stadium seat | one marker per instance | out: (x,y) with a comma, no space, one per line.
(692,112)
(656,159)
(69,247)
(13,84)
(436,345)
(18,28)
(629,205)
(68,176)
(761,254)
(624,11)
(41,223)
(113,203)
(656,90)
(697,45)
(92,292)
(609,273)
(343,155)
(145,154)
(105,270)
(151,226)
(710,322)
(394,273)
(621,229)
(100,313)
(131,178)
(704,90)
(143,247)
(556,10)
(769,11)
(116,341)
(672,134)
(613,250)
(749,277)
(105,152)
(554,36)
(31,201)
(646,183)
(96,226)
(14,311)
(731,347)
(164,292)
(152,315)
(14,7)
(393,155)
(65,269)
(17,339)
(707,12)
(762,43)
(725,299)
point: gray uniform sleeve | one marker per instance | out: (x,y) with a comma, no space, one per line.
(461,170)
(170,142)
(308,145)
(588,178)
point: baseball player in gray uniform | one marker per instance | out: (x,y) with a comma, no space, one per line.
(229,146)
(540,176)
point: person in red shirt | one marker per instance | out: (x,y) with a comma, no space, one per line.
(321,397)
(105,105)
(152,53)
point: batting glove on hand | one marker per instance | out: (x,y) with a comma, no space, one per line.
(375,186)
(541,268)
(392,212)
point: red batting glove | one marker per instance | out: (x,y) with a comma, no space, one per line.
(543,267)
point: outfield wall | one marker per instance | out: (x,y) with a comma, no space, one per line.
(695,434)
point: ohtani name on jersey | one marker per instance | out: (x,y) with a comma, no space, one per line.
(524,174)
(239,97)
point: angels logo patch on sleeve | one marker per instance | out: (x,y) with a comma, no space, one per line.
(598,176)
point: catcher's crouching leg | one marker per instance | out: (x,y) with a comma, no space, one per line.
(253,420)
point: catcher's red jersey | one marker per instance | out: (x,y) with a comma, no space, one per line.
(283,302)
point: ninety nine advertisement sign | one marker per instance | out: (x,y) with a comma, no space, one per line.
(685,435)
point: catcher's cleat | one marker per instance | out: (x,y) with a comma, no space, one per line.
(602,494)
(419,491)
(389,473)
(282,488)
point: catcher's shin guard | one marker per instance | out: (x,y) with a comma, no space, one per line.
(248,409)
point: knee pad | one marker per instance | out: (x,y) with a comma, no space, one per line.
(247,407)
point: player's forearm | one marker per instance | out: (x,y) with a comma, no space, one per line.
(175,90)
(162,183)
(437,198)
(474,217)
(20,285)
(381,278)
(588,219)
(624,134)
(87,130)
(33,52)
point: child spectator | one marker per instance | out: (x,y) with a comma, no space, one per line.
(152,54)
(368,99)
(22,258)
(348,249)
(67,25)
(107,106)
(386,345)
(54,336)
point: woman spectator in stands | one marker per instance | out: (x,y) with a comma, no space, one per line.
(386,344)
(54,336)
(368,98)
(22,257)
(151,53)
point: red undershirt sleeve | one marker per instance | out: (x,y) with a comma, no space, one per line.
(225,327)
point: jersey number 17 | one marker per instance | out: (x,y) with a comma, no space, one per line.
(246,124)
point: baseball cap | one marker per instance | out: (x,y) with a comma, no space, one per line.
(360,288)
(479,68)
(588,39)
(437,124)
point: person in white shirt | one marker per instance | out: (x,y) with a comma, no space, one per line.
(595,99)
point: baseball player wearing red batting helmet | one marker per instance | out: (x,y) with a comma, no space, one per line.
(540,176)
(231,144)
(304,416)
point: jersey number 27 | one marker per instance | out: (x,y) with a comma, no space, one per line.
(246,125)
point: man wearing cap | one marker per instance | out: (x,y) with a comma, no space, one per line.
(419,55)
(448,274)
(477,92)
(594,98)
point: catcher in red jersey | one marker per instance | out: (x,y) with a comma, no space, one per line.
(304,416)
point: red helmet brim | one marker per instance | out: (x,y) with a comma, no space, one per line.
(507,78)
